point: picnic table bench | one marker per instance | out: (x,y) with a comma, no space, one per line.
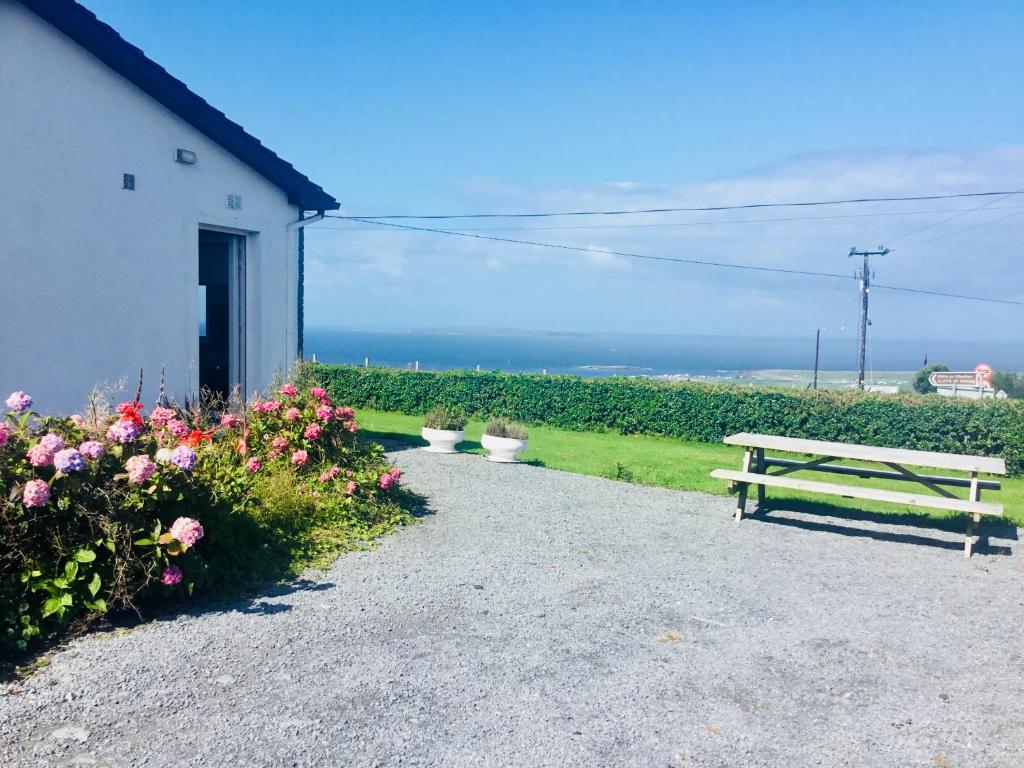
(756,466)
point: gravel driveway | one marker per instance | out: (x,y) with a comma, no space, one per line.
(539,618)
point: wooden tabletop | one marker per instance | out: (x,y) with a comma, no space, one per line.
(989,465)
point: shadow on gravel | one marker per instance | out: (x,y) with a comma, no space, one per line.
(775,514)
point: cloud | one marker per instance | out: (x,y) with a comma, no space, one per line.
(598,290)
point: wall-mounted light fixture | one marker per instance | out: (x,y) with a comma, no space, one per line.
(186,156)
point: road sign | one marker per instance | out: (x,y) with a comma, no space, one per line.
(953,379)
(979,378)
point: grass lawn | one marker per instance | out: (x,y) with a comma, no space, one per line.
(672,463)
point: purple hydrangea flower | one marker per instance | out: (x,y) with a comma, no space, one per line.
(19,401)
(123,431)
(183,457)
(91,449)
(69,460)
(5,434)
(52,442)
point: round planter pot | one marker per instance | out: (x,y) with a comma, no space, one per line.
(502,449)
(442,440)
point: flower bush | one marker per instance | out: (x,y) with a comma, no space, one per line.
(117,508)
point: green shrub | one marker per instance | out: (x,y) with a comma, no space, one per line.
(695,411)
(505,428)
(118,509)
(449,419)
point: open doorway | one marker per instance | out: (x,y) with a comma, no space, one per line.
(221,312)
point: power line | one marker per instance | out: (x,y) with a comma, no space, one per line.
(958,231)
(381,226)
(606,252)
(953,218)
(703,209)
(679,260)
(947,295)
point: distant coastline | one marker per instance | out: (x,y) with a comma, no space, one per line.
(753,360)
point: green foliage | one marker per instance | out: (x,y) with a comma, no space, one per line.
(921,384)
(262,493)
(693,411)
(1009,382)
(504,428)
(450,419)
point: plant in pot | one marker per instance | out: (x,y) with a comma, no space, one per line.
(442,428)
(504,440)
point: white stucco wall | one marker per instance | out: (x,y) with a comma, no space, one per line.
(97,282)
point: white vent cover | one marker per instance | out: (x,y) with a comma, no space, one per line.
(235,202)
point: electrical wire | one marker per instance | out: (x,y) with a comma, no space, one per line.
(679,260)
(702,209)
(951,218)
(958,231)
(689,223)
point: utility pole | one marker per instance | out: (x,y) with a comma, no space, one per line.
(864,275)
(817,349)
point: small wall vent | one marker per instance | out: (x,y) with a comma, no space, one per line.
(128,181)
(235,202)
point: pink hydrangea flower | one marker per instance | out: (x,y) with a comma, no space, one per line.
(351,487)
(330,474)
(140,468)
(18,401)
(292,414)
(123,431)
(177,427)
(77,419)
(279,443)
(172,575)
(161,416)
(352,427)
(396,474)
(319,393)
(344,413)
(35,494)
(52,442)
(312,431)
(289,390)
(39,456)
(254,465)
(267,407)
(5,434)
(299,458)
(230,420)
(325,413)
(91,449)
(386,480)
(187,530)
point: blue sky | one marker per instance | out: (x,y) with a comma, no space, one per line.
(426,108)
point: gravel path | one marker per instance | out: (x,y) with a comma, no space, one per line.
(545,619)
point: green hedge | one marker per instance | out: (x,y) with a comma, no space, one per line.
(703,412)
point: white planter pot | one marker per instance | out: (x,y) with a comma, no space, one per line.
(502,449)
(442,440)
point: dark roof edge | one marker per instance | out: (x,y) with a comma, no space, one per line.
(103,42)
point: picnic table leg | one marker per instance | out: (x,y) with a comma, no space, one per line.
(741,501)
(972,519)
(760,470)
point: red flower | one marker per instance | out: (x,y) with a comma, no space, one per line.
(131,412)
(195,437)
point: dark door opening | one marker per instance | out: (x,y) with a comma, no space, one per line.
(221,313)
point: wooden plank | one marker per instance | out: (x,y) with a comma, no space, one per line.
(883,474)
(989,465)
(741,502)
(873,494)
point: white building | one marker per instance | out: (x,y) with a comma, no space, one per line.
(139,227)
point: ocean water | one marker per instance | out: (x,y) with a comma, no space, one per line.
(586,354)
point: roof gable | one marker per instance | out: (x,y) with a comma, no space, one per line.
(103,42)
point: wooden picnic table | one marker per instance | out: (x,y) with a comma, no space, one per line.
(762,471)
